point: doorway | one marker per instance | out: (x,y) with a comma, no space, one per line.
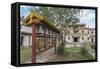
(92,40)
(75,39)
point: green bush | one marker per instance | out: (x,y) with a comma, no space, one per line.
(83,50)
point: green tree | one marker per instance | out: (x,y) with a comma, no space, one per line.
(58,16)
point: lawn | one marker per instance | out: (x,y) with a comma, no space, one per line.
(72,49)
(25,54)
(72,54)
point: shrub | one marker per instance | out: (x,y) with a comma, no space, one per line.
(60,49)
(83,50)
(93,46)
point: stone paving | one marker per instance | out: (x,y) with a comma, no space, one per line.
(45,56)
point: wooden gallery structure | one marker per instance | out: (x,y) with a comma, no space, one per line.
(44,35)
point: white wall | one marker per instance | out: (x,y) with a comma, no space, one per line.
(26,40)
(5,38)
(71,39)
(84,39)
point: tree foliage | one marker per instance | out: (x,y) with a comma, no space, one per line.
(60,17)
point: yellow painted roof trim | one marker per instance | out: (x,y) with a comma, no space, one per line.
(34,14)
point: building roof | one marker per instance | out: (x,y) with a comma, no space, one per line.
(82,26)
(25,29)
(29,20)
(77,24)
(91,28)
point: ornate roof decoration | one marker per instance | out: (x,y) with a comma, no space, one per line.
(33,16)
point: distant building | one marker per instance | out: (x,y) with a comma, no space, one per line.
(25,36)
(79,34)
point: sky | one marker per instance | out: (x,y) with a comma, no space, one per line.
(86,17)
(24,11)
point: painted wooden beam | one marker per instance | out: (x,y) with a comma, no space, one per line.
(33,43)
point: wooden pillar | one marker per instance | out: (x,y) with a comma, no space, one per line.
(45,39)
(33,43)
(55,45)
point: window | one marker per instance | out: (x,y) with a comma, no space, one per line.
(92,40)
(88,38)
(21,40)
(68,38)
(82,32)
(91,32)
(88,32)
(82,38)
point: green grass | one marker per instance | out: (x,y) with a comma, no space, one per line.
(73,49)
(25,54)
(72,54)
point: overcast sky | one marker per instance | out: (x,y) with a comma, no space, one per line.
(87,16)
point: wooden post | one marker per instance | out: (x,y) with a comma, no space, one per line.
(33,43)
(45,39)
(55,44)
